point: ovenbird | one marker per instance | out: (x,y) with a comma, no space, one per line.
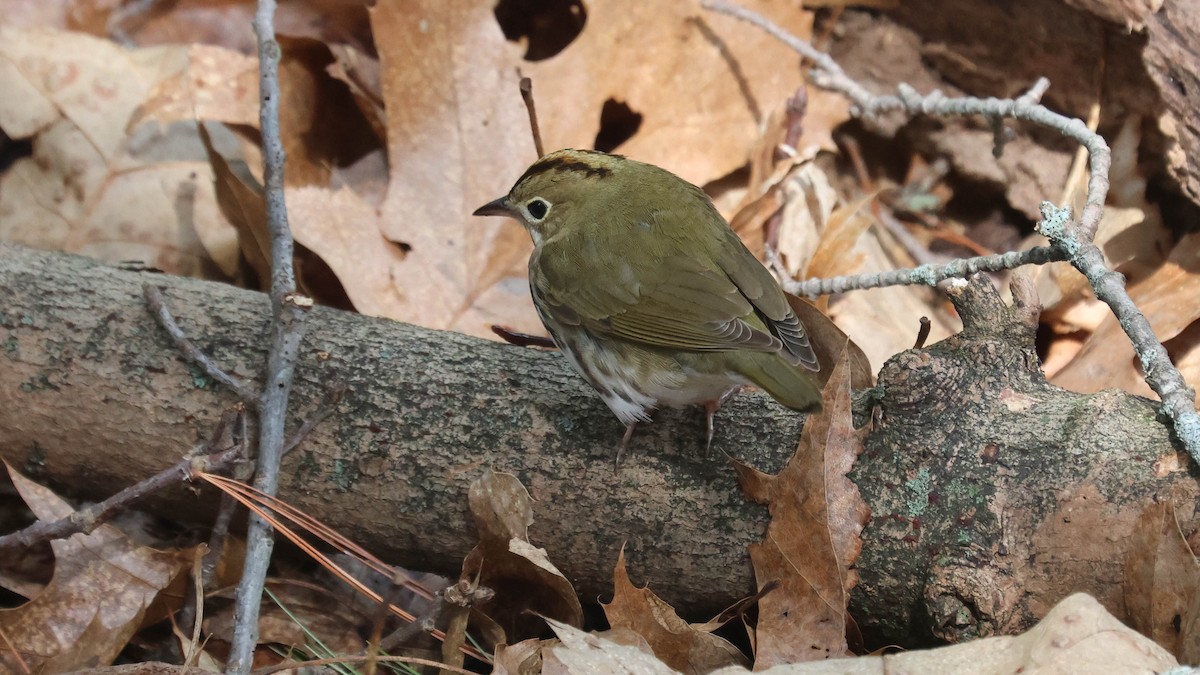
(647,290)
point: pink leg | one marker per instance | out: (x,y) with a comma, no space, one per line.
(625,441)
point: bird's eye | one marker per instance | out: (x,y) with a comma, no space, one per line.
(537,208)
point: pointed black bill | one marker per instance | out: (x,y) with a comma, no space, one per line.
(496,207)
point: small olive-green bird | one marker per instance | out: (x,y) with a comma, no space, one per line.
(647,290)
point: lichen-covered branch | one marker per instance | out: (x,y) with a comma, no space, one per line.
(1069,240)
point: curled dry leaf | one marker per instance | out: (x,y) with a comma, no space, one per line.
(525,582)
(678,644)
(812,541)
(103,585)
(522,658)
(94,186)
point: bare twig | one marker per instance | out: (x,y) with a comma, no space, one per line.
(158,307)
(88,519)
(527,96)
(287,330)
(1070,240)
(332,398)
(923,332)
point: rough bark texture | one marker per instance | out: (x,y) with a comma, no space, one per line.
(93,397)
(994,495)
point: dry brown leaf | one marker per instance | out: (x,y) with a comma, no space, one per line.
(836,253)
(526,583)
(241,200)
(320,123)
(92,186)
(677,643)
(1168,300)
(702,82)
(1162,578)
(813,538)
(809,201)
(456,129)
(522,658)
(217,85)
(103,586)
(583,653)
(361,74)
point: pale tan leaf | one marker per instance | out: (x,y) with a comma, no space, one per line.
(93,186)
(1162,578)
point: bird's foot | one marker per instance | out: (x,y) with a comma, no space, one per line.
(710,413)
(625,442)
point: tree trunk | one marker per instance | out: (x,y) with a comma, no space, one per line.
(994,494)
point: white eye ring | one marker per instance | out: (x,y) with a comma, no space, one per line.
(537,209)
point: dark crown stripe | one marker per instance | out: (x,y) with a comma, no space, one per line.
(562,163)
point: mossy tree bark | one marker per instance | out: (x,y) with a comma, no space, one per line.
(994,494)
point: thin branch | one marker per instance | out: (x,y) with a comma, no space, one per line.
(158,307)
(926,275)
(88,519)
(923,332)
(526,87)
(332,398)
(289,312)
(1070,240)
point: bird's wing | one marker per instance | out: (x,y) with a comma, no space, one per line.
(760,288)
(677,301)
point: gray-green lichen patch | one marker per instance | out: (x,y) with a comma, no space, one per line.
(917,491)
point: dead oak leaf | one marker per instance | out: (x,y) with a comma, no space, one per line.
(699,84)
(93,185)
(813,538)
(673,640)
(456,137)
(103,585)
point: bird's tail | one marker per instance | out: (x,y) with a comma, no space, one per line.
(793,386)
